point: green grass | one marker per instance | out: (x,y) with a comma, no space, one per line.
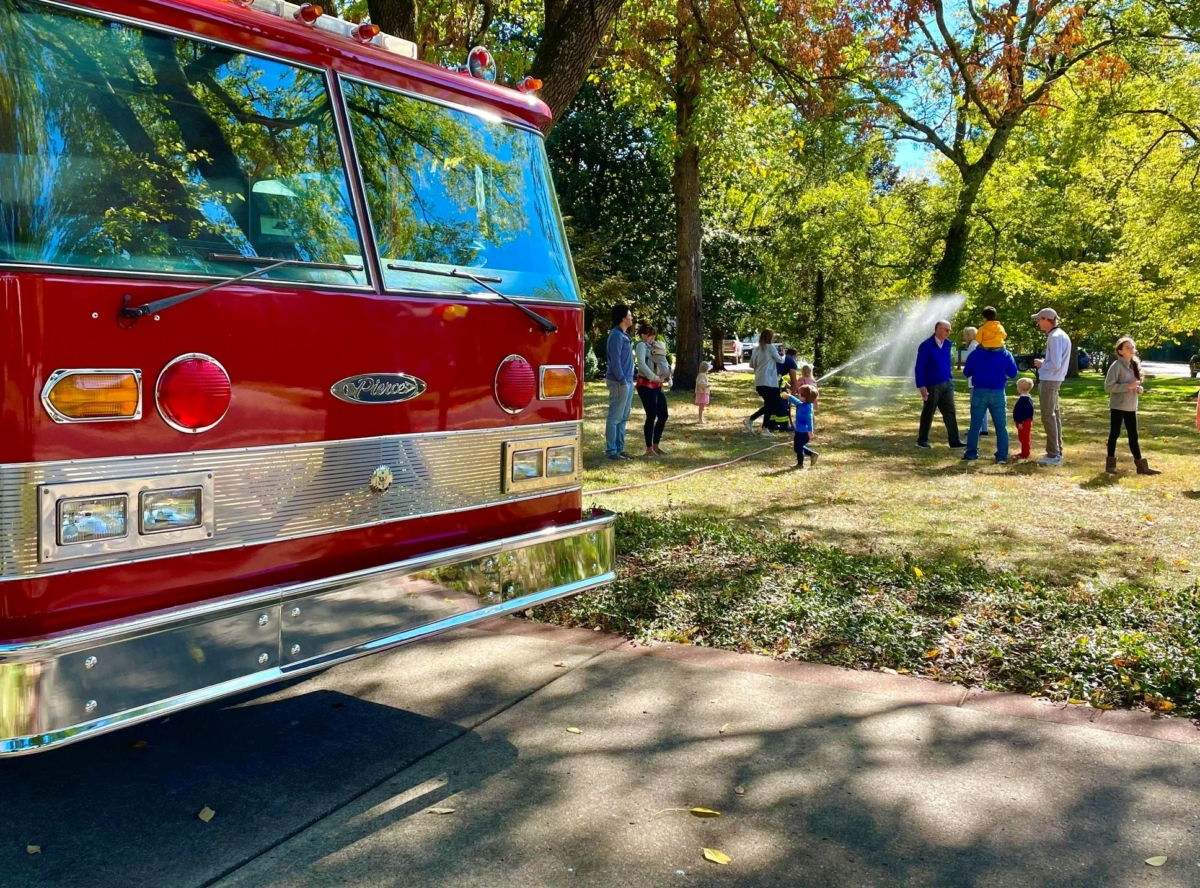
(1065,582)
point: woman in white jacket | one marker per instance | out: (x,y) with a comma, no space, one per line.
(764,361)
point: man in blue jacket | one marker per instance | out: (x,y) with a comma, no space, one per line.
(619,377)
(936,386)
(989,370)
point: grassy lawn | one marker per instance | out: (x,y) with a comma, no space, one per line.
(1062,581)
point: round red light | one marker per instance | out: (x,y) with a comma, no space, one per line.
(366,32)
(515,384)
(308,13)
(193,393)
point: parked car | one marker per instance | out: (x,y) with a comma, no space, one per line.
(748,346)
(731,349)
(1025,362)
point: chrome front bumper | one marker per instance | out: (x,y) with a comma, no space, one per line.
(71,686)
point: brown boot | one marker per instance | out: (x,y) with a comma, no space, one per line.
(1143,467)
(1110,465)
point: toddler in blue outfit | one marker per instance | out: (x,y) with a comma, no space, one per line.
(804,424)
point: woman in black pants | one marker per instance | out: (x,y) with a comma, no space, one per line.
(1123,384)
(764,361)
(650,389)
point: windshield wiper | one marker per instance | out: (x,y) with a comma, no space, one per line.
(266,264)
(546,324)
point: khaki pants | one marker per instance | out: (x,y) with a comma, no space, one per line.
(1051,416)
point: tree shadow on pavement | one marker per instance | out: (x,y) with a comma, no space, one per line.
(816,786)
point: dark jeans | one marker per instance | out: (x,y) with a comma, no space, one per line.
(941,398)
(1115,418)
(654,401)
(770,396)
(800,445)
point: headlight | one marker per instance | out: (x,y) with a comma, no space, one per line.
(526,464)
(163,510)
(92,519)
(560,461)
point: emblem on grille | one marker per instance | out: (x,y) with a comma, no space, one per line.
(378,388)
(381,479)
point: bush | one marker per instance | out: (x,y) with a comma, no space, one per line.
(591,364)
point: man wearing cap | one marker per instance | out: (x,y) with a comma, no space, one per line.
(932,374)
(1052,370)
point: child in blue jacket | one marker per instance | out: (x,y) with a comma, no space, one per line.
(804,424)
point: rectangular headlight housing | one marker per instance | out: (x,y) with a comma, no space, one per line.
(526,465)
(560,461)
(92,519)
(166,510)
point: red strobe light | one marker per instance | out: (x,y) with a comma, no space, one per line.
(308,13)
(515,384)
(366,32)
(193,393)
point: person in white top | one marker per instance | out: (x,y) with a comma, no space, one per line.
(764,361)
(1052,370)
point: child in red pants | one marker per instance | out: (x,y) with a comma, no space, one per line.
(1023,415)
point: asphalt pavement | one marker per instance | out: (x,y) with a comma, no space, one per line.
(525,756)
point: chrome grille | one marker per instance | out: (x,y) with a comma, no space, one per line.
(265,494)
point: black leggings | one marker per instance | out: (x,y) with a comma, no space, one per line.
(654,401)
(770,396)
(1129,417)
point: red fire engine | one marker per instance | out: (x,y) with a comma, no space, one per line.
(291,356)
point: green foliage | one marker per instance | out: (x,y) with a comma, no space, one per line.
(747,588)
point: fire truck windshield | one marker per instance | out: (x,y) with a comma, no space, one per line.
(122,148)
(449,189)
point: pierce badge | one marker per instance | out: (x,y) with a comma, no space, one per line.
(378,388)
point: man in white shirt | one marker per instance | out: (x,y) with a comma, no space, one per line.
(1052,370)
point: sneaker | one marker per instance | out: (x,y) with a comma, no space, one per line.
(924,445)
(961,445)
(1002,461)
(767,434)
(812,460)
(748,424)
(969,458)
(615,456)
(623,455)
(1050,461)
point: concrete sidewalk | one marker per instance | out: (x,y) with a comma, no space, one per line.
(822,777)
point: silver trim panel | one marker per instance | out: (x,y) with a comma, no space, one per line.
(267,494)
(75,685)
(59,375)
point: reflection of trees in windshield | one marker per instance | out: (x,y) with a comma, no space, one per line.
(448,187)
(125,148)
(437,191)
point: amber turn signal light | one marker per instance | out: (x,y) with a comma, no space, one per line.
(93,395)
(557,383)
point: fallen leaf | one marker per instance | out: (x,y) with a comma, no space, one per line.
(574,731)
(1075,702)
(929,655)
(723,728)
(917,573)
(33,849)
(903,671)
(703,812)
(954,622)
(739,790)
(441,810)
(138,744)
(722,858)
(888,670)
(1156,861)
(206,814)
(560,665)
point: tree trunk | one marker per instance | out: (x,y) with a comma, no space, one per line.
(947,275)
(396,17)
(819,324)
(718,340)
(689,299)
(571,36)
